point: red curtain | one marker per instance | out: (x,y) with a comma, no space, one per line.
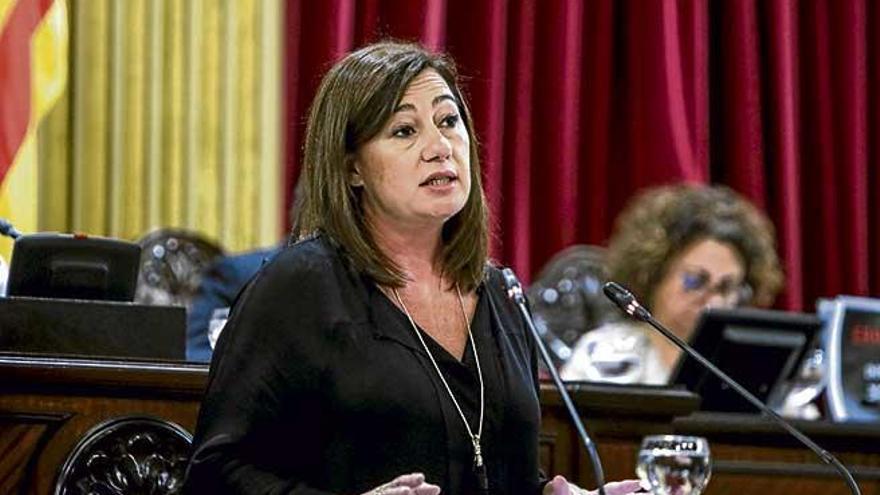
(578,104)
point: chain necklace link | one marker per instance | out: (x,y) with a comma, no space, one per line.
(479,467)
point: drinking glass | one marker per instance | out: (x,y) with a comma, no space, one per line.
(674,464)
(215,326)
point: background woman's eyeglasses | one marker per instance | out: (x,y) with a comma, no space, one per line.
(699,282)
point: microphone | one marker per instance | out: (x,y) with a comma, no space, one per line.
(628,303)
(515,293)
(8,230)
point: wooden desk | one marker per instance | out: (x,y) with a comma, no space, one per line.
(47,405)
(751,455)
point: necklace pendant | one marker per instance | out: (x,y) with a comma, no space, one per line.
(478,453)
(479,467)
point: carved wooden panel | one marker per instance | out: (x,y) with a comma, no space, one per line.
(127,456)
(49,405)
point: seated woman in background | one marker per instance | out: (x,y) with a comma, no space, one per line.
(679,249)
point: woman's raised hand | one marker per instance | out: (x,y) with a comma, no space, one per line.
(407,484)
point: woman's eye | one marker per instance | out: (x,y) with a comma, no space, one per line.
(403,131)
(450,121)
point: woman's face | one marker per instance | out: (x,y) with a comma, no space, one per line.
(416,171)
(707,273)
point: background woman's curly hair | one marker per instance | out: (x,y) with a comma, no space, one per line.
(660,223)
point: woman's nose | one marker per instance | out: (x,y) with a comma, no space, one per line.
(716,300)
(437,148)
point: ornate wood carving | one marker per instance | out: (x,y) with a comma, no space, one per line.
(127,456)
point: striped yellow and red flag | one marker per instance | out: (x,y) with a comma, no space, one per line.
(33,75)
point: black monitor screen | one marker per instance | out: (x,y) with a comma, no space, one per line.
(760,349)
(73,267)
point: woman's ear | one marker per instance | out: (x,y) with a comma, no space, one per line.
(354,175)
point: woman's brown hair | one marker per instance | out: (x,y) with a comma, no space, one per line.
(354,101)
(660,223)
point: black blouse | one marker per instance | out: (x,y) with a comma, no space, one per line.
(319,385)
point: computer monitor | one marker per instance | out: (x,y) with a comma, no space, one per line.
(760,349)
(77,266)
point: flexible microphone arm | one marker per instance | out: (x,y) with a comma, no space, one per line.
(515,293)
(8,230)
(628,303)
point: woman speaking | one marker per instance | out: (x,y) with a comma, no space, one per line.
(378,353)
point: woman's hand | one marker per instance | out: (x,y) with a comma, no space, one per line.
(407,484)
(560,486)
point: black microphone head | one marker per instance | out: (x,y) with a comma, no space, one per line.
(618,294)
(510,280)
(623,298)
(8,230)
(514,288)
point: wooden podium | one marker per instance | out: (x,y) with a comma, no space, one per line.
(53,409)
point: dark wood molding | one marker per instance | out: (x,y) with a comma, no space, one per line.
(791,469)
(753,429)
(610,399)
(33,417)
(119,376)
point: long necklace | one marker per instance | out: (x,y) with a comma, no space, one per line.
(479,467)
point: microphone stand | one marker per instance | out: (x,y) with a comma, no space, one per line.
(515,293)
(628,303)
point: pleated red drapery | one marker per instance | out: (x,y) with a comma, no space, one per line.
(578,104)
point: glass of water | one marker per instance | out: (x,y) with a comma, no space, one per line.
(674,464)
(215,326)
